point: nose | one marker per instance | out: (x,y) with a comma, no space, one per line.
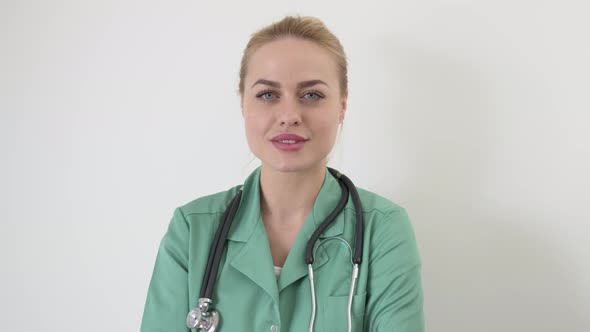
(289,114)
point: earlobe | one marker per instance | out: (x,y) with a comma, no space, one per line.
(343,110)
(242,105)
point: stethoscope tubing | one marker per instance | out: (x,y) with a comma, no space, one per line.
(218,244)
(354,277)
(309,253)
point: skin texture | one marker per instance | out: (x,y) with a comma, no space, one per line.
(291,180)
(289,110)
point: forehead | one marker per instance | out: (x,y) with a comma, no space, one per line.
(291,60)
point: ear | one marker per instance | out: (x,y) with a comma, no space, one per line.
(242,103)
(343,105)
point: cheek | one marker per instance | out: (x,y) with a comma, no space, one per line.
(251,135)
(325,123)
(250,127)
(326,134)
(255,125)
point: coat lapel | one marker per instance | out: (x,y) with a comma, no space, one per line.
(248,247)
(295,267)
(254,260)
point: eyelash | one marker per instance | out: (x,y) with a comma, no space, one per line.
(316,92)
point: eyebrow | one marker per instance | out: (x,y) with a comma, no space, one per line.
(300,85)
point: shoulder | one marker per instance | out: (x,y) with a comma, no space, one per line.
(209,204)
(375,203)
(384,219)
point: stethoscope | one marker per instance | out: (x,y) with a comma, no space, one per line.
(203,318)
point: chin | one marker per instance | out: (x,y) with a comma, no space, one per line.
(289,169)
(293,166)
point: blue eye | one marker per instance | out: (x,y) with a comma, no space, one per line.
(313,95)
(269,95)
(266,95)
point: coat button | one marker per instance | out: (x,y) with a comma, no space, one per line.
(274,328)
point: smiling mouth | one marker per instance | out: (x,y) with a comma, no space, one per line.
(289,145)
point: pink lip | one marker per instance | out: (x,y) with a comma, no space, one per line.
(291,137)
(299,142)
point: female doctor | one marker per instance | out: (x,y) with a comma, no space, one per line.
(293,88)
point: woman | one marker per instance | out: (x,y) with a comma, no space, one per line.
(293,88)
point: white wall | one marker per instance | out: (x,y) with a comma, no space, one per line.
(474,115)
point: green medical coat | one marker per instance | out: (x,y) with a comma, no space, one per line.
(248,296)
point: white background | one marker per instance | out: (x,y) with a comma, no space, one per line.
(473,115)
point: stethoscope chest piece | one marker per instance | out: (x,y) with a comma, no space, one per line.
(201,318)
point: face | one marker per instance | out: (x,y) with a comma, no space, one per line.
(292,105)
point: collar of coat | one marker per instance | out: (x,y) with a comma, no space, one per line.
(248,249)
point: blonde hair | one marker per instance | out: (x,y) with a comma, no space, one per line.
(303,27)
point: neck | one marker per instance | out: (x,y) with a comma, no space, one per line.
(289,196)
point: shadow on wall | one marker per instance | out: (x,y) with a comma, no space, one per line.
(485,267)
